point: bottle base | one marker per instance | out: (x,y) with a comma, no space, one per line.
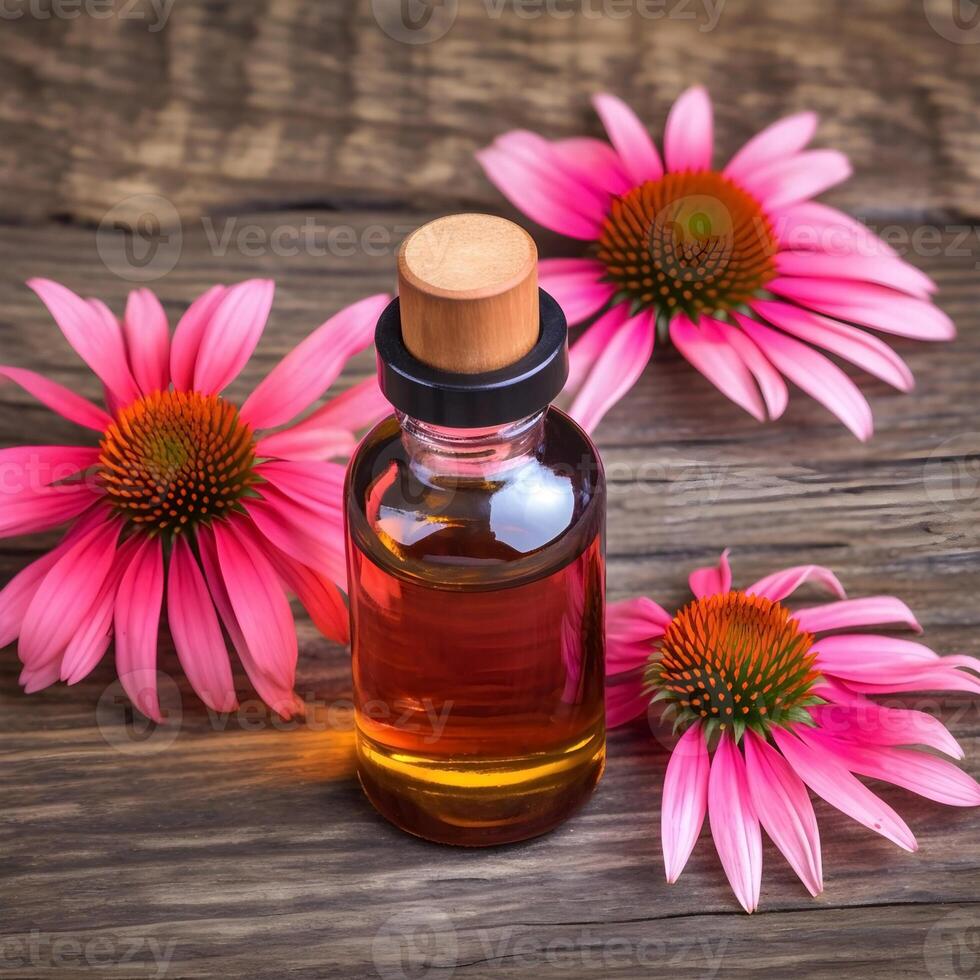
(483,802)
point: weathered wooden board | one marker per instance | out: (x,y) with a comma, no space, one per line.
(249,850)
(213,105)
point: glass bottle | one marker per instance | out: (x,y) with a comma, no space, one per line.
(476,581)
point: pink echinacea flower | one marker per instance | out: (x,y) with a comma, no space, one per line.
(773,703)
(739,268)
(211,510)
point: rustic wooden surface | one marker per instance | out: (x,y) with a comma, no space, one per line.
(249,850)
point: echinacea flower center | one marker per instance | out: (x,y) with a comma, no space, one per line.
(689,242)
(736,661)
(176,458)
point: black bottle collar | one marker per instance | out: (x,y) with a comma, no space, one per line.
(471,401)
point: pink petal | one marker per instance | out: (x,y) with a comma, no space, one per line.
(543,161)
(315,484)
(943,676)
(790,180)
(685,800)
(817,227)
(868,611)
(867,657)
(936,779)
(258,601)
(769,380)
(625,701)
(232,333)
(591,343)
(574,283)
(629,138)
(631,626)
(147,335)
(64,599)
(196,631)
(58,398)
(137,626)
(88,645)
(34,467)
(734,823)
(36,680)
(326,433)
(623,657)
(882,269)
(93,332)
(31,511)
(187,337)
(832,782)
(815,374)
(17,594)
(594,163)
(781,139)
(281,699)
(781,584)
(361,406)
(616,370)
(869,306)
(319,596)
(861,720)
(306,372)
(713,580)
(689,134)
(708,353)
(785,811)
(530,190)
(855,345)
(312,538)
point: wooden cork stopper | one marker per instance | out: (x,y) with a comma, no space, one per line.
(468,293)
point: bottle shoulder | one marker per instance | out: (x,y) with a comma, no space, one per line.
(539,509)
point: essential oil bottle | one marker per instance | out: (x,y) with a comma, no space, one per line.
(475,548)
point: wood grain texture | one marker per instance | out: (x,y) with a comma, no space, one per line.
(291,101)
(247,845)
(297,140)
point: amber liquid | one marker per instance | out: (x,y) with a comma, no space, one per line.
(477,632)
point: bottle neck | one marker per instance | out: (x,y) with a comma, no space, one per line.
(480,453)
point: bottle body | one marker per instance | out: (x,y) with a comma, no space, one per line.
(477,580)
